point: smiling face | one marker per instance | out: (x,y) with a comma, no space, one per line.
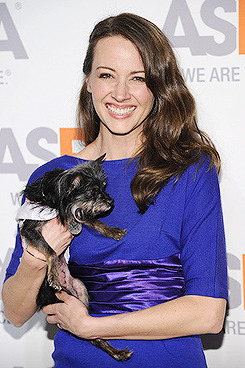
(117,84)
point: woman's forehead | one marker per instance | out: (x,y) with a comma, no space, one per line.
(117,52)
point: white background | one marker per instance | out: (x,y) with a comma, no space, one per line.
(42,91)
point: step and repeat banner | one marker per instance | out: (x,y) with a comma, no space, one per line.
(42,46)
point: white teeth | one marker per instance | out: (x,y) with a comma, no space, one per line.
(118,111)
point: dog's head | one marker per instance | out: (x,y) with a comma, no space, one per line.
(81,192)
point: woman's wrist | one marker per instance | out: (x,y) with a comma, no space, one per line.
(88,329)
(34,252)
(101,327)
(34,257)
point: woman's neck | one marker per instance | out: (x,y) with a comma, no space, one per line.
(116,147)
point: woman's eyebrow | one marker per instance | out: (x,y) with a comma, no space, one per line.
(113,70)
(105,67)
(137,71)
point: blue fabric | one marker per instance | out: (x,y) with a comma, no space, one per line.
(187,219)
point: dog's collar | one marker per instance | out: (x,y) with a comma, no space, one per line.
(34,211)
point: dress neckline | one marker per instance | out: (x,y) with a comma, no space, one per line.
(122,160)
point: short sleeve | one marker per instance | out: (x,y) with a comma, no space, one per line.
(15,259)
(203,254)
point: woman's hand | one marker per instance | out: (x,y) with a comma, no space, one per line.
(71,315)
(56,235)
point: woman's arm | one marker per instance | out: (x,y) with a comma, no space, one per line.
(187,315)
(19,292)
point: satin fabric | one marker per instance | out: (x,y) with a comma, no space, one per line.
(117,286)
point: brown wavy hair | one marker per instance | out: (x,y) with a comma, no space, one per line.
(172,140)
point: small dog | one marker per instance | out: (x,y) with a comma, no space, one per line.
(76,196)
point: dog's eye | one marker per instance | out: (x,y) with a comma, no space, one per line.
(94,191)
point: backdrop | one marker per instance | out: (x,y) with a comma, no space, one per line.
(42,46)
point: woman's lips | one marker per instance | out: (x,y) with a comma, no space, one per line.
(120,112)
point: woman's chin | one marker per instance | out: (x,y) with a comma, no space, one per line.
(121,129)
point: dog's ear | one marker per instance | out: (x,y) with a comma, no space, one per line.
(77,213)
(68,182)
(76,181)
(100,159)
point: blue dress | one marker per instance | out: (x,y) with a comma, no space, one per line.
(176,248)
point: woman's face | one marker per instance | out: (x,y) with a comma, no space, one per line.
(117,84)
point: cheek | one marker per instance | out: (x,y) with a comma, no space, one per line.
(146,99)
(99,91)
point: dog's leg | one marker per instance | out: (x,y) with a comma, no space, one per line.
(72,285)
(108,231)
(31,231)
(118,354)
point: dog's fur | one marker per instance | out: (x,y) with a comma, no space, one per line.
(78,195)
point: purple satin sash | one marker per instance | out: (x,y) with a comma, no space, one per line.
(118,286)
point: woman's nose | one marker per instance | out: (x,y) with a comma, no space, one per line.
(120,91)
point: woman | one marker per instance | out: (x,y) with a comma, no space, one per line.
(165,282)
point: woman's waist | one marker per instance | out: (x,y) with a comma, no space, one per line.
(118,286)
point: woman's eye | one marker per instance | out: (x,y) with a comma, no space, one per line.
(105,75)
(139,79)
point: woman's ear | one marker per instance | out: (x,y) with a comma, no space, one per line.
(88,85)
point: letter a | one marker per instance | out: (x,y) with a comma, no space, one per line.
(192,39)
(13,42)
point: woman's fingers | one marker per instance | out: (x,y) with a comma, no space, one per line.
(71,314)
(56,235)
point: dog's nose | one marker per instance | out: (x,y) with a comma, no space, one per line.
(111,201)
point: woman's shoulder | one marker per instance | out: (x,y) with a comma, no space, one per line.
(201,169)
(202,176)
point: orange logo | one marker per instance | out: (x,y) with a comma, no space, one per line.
(241,27)
(67,137)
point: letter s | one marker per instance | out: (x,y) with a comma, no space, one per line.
(229,30)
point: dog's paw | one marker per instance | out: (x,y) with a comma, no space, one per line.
(54,282)
(123,355)
(119,234)
(118,354)
(55,286)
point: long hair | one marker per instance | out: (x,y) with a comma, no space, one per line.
(172,140)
